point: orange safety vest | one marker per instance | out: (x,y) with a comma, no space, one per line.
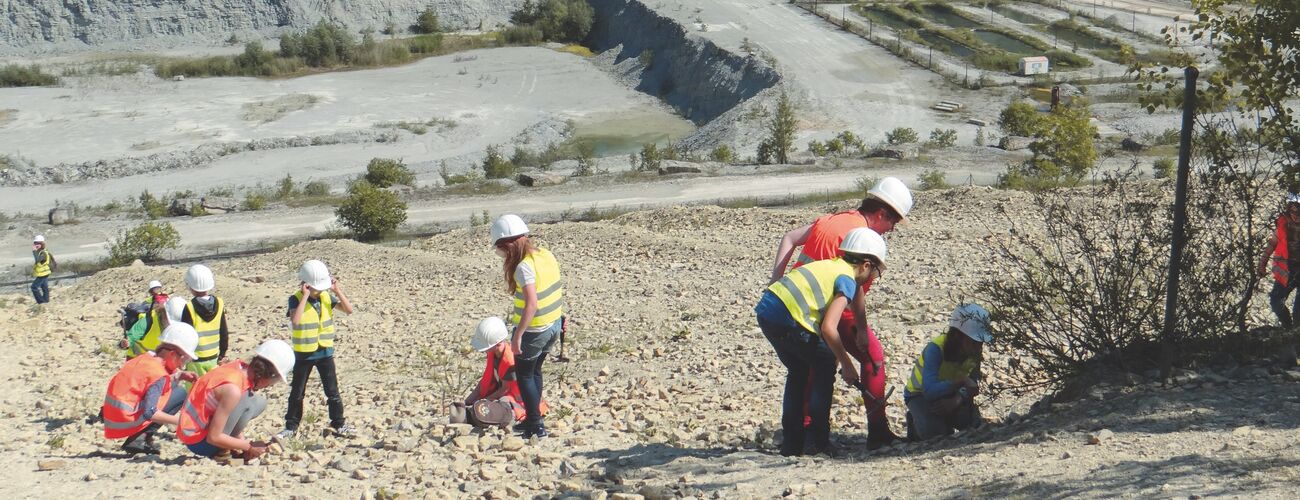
(202,403)
(824,239)
(1281,253)
(123,414)
(495,374)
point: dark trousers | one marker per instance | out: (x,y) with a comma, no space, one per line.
(1277,301)
(805,356)
(298,389)
(41,289)
(171,407)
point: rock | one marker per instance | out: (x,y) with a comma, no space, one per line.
(626,496)
(1244,430)
(900,152)
(49,465)
(652,492)
(488,474)
(184,206)
(514,491)
(342,464)
(604,371)
(1015,142)
(460,429)
(1099,436)
(219,203)
(90,477)
(540,179)
(1065,455)
(567,469)
(799,490)
(309,477)
(465,443)
(1293,375)
(360,475)
(512,443)
(59,216)
(1128,144)
(407,445)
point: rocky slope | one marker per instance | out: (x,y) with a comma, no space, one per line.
(37,24)
(671,390)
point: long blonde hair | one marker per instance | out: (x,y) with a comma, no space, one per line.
(515,250)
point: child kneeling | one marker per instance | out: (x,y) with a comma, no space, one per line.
(496,400)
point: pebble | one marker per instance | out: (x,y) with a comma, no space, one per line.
(90,477)
(49,465)
(360,475)
(342,465)
(309,477)
(626,496)
(1065,455)
(799,490)
(512,443)
(1099,436)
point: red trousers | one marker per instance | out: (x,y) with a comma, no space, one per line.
(872,378)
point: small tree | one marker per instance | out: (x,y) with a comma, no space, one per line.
(384,172)
(818,148)
(254,201)
(145,242)
(370,212)
(316,188)
(153,207)
(1163,168)
(943,138)
(286,188)
(651,159)
(781,131)
(1020,118)
(426,23)
(980,139)
(901,135)
(585,153)
(496,166)
(933,179)
(722,154)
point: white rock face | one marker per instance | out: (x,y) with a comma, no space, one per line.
(68,23)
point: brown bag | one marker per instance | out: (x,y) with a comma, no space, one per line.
(488,413)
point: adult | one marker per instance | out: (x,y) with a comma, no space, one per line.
(886,204)
(311,317)
(207,314)
(224,400)
(1284,248)
(41,270)
(144,393)
(532,275)
(800,315)
(945,379)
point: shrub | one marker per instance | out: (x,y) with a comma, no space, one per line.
(901,135)
(1020,118)
(316,188)
(980,139)
(15,75)
(1163,168)
(565,20)
(145,242)
(651,158)
(426,23)
(818,148)
(496,166)
(943,138)
(781,130)
(286,188)
(370,212)
(153,207)
(522,35)
(933,179)
(254,201)
(384,172)
(585,153)
(722,154)
(255,60)
(425,44)
(327,44)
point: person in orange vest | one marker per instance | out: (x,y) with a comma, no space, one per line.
(886,204)
(498,383)
(800,315)
(144,393)
(224,400)
(1284,248)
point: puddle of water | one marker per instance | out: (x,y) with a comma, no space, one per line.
(887,18)
(1066,38)
(1017,15)
(947,17)
(1006,43)
(951,46)
(624,133)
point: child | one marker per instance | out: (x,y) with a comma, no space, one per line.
(496,399)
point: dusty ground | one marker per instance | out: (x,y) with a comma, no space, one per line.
(671,390)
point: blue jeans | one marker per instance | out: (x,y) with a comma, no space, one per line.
(41,289)
(528,371)
(803,355)
(925,424)
(1277,301)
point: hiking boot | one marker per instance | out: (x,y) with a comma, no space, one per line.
(284,436)
(140,446)
(828,449)
(879,436)
(789,449)
(345,431)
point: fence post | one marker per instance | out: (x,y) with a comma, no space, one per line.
(1180,222)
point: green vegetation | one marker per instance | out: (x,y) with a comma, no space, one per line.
(384,172)
(370,212)
(651,159)
(776,147)
(153,207)
(316,188)
(901,135)
(1063,150)
(722,154)
(254,201)
(426,23)
(557,20)
(1163,168)
(933,179)
(1020,118)
(942,138)
(496,166)
(14,75)
(145,242)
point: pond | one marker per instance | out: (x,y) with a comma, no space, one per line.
(948,17)
(945,44)
(1016,15)
(1067,38)
(625,132)
(1007,43)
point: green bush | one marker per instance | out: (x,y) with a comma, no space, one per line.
(15,75)
(722,154)
(496,166)
(153,207)
(556,20)
(651,158)
(426,23)
(1020,118)
(425,44)
(818,148)
(384,172)
(943,138)
(933,179)
(286,189)
(145,242)
(522,35)
(316,188)
(255,60)
(254,201)
(901,135)
(370,212)
(1163,168)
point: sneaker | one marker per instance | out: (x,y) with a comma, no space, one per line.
(140,446)
(345,431)
(539,433)
(284,435)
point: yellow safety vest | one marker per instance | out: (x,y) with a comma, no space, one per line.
(41,268)
(152,337)
(209,331)
(315,330)
(947,371)
(808,289)
(550,291)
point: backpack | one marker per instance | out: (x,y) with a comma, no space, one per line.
(54,264)
(132,313)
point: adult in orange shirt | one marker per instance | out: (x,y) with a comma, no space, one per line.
(886,204)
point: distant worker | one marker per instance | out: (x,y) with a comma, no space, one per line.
(1284,248)
(41,270)
(145,394)
(207,314)
(800,315)
(941,392)
(533,276)
(145,335)
(886,204)
(223,402)
(156,293)
(311,317)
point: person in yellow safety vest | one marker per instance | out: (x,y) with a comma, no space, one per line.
(145,394)
(41,270)
(941,391)
(145,335)
(311,317)
(799,315)
(1284,248)
(532,275)
(207,314)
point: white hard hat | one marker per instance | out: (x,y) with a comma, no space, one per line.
(175,307)
(199,278)
(1290,198)
(894,193)
(279,354)
(490,332)
(38,239)
(181,336)
(508,226)
(315,275)
(864,241)
(972,320)
(154,284)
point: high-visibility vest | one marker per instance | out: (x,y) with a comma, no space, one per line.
(496,373)
(947,371)
(209,331)
(202,403)
(123,411)
(150,341)
(550,290)
(826,234)
(808,289)
(41,268)
(315,330)
(1281,253)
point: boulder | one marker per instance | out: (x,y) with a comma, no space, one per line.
(899,152)
(220,203)
(1128,144)
(670,170)
(1015,143)
(59,216)
(540,179)
(184,206)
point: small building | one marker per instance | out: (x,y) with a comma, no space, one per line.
(1037,65)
